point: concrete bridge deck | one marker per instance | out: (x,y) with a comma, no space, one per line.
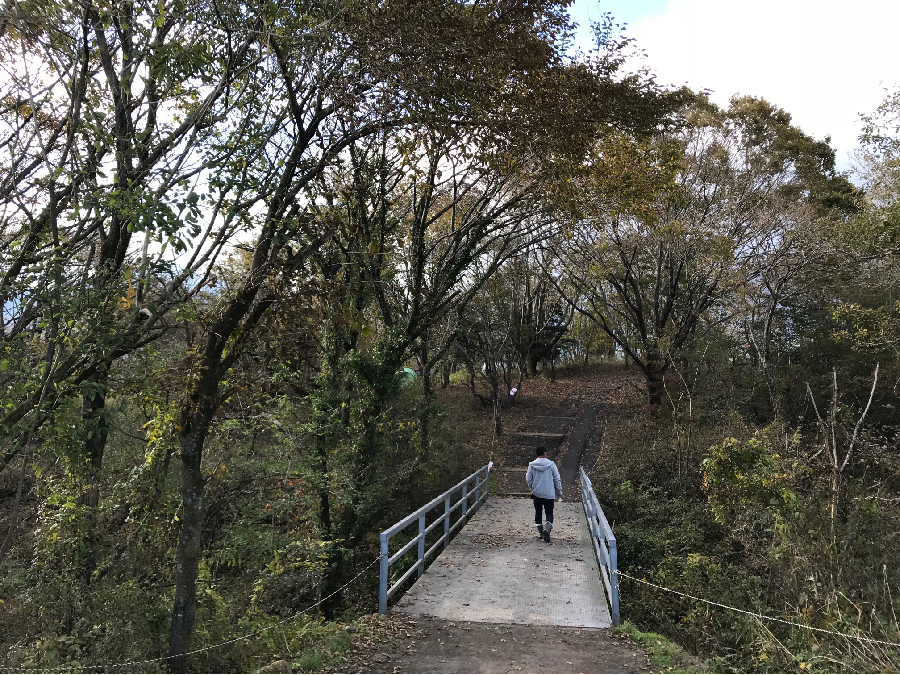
(497,571)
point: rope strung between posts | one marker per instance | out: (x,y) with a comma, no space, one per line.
(211,647)
(760,616)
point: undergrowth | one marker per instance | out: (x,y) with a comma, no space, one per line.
(665,655)
(747,517)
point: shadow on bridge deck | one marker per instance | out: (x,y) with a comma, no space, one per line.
(498,571)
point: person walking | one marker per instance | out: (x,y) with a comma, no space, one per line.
(546,486)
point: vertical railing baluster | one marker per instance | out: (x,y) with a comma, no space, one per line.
(465,499)
(421,547)
(383,581)
(446,522)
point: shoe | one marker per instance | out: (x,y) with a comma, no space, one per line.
(540,531)
(546,535)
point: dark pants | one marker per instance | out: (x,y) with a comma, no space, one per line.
(541,503)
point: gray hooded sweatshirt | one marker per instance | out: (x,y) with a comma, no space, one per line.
(543,479)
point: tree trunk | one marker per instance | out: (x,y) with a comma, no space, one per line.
(96,426)
(95,423)
(425,415)
(835,494)
(533,363)
(346,525)
(333,395)
(187,560)
(761,355)
(324,510)
(425,406)
(654,387)
(654,367)
(497,404)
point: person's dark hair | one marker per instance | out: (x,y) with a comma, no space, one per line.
(541,450)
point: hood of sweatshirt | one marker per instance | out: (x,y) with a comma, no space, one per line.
(541,464)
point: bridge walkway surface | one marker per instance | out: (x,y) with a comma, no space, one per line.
(497,571)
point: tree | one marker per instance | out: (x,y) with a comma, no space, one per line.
(109,129)
(869,313)
(358,72)
(541,316)
(680,223)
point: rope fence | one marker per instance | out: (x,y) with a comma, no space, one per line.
(760,616)
(378,558)
(202,649)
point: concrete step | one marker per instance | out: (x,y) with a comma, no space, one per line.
(548,425)
(535,438)
(524,456)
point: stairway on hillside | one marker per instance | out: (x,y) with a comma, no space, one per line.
(550,430)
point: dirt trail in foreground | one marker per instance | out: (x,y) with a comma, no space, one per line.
(429,645)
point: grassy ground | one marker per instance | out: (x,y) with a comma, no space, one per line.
(332,646)
(665,655)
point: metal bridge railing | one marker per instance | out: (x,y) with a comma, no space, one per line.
(477,498)
(604,544)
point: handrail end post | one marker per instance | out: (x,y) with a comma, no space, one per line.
(383,580)
(614,582)
(465,498)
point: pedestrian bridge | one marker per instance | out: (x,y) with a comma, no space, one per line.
(496,569)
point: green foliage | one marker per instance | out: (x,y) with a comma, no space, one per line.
(756,534)
(741,478)
(421,180)
(664,654)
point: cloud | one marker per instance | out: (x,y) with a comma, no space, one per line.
(824,62)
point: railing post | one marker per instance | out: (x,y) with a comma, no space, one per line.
(383,581)
(477,487)
(465,499)
(614,581)
(446,522)
(605,538)
(487,480)
(421,547)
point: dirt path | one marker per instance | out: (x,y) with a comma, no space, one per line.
(430,645)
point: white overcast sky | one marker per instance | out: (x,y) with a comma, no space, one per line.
(822,61)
